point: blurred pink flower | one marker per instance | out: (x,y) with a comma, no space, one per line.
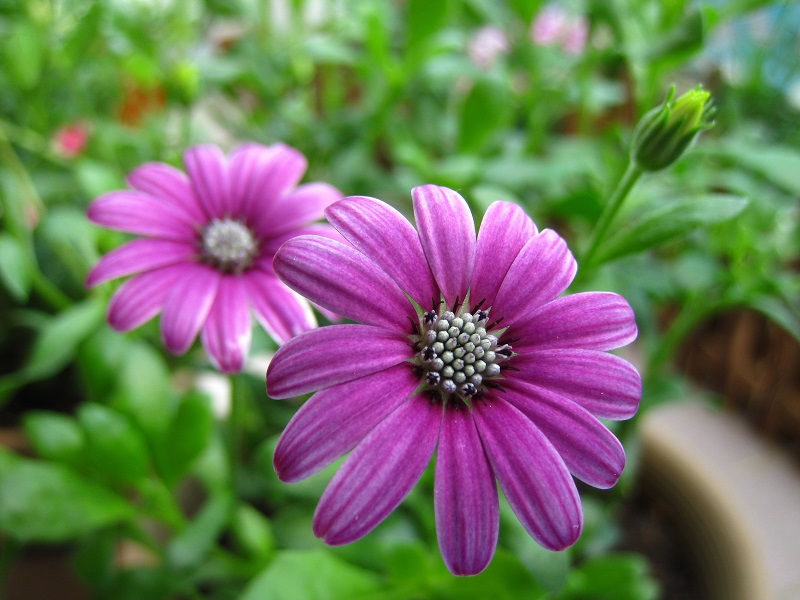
(70,140)
(575,35)
(210,237)
(488,43)
(548,26)
(555,26)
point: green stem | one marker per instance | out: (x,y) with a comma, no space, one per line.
(626,183)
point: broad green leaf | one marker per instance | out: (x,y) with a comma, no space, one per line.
(147,399)
(549,569)
(666,221)
(55,436)
(24,52)
(780,312)
(45,502)
(187,436)
(611,577)
(59,338)
(15,268)
(483,112)
(421,573)
(680,42)
(778,164)
(310,575)
(423,19)
(504,579)
(192,544)
(115,447)
(97,178)
(70,236)
(253,532)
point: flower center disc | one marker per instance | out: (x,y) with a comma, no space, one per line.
(458,355)
(228,245)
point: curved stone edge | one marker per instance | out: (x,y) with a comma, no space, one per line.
(737,495)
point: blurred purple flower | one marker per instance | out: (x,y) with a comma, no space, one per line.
(465,347)
(487,45)
(210,238)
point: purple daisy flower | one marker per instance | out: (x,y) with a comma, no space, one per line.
(465,348)
(210,241)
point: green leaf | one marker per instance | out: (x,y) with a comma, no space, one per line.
(187,436)
(97,178)
(15,268)
(55,436)
(44,502)
(483,112)
(114,446)
(192,544)
(665,221)
(59,338)
(24,54)
(780,312)
(146,399)
(611,577)
(71,238)
(310,575)
(253,532)
(678,44)
(423,19)
(780,165)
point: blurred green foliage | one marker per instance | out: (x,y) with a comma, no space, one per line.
(380,96)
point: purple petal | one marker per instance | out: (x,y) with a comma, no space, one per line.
(379,473)
(227,332)
(137,256)
(588,448)
(270,246)
(447,233)
(161,180)
(343,280)
(141,298)
(331,355)
(604,384)
(465,496)
(542,270)
(590,320)
(187,306)
(367,224)
(136,212)
(334,420)
(503,233)
(281,311)
(532,475)
(208,172)
(261,176)
(302,206)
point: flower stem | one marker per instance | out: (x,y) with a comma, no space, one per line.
(626,183)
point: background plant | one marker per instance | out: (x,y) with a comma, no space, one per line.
(381,97)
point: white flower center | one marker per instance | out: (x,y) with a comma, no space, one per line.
(228,245)
(457,355)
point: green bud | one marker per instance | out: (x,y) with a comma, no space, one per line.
(184,82)
(664,133)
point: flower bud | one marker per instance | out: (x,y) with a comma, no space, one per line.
(664,133)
